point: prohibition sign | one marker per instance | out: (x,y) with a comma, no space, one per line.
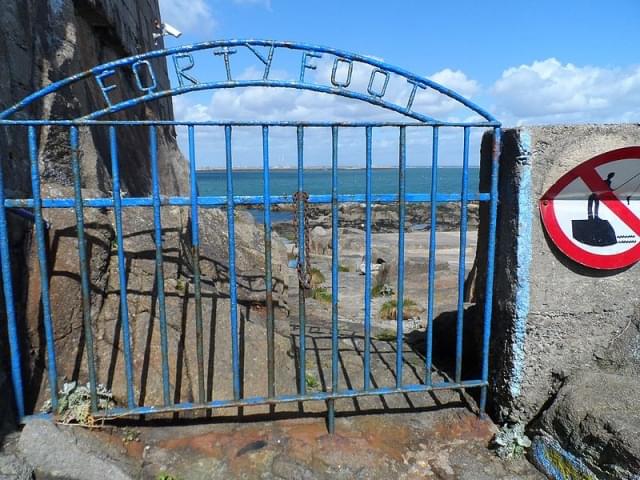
(592,213)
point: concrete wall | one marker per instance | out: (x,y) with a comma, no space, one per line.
(551,316)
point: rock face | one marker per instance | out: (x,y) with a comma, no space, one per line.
(85,454)
(42,41)
(551,316)
(565,338)
(594,416)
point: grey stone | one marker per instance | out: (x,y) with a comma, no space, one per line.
(594,416)
(320,240)
(73,453)
(551,316)
(14,468)
(287,469)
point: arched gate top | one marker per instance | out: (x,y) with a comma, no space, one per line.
(181,61)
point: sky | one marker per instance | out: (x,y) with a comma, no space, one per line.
(525,62)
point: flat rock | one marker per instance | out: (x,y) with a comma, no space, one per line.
(73,453)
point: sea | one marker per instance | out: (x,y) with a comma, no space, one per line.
(318,181)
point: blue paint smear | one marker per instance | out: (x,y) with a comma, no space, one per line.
(523,259)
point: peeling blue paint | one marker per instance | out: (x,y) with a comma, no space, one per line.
(523,258)
(556,463)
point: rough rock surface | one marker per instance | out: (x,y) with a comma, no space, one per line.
(594,416)
(384,217)
(81,34)
(447,444)
(72,453)
(143,306)
(551,316)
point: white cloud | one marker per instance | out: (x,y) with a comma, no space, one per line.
(551,92)
(189,16)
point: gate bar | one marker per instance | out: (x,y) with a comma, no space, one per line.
(12,327)
(213,201)
(367,262)
(334,279)
(301,262)
(316,396)
(462,256)
(402,165)
(84,267)
(157,220)
(43,264)
(432,256)
(124,307)
(233,294)
(268,277)
(491,251)
(195,253)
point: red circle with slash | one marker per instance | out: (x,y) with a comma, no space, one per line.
(571,208)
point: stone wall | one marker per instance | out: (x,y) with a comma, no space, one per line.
(551,316)
(43,41)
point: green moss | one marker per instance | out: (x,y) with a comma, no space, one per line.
(317,277)
(384,290)
(389,309)
(166,476)
(321,294)
(386,335)
(311,381)
(343,268)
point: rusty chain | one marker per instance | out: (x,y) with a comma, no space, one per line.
(304,270)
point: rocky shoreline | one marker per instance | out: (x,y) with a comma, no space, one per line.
(384,217)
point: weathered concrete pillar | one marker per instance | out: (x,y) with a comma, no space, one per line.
(551,316)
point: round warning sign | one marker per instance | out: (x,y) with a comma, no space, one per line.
(592,213)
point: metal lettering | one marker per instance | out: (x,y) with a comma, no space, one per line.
(412,96)
(267,61)
(181,69)
(347,82)
(152,76)
(105,89)
(370,89)
(304,64)
(225,52)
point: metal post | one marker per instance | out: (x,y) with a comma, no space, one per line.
(432,258)
(491,251)
(122,271)
(462,257)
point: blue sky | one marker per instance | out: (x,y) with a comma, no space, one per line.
(525,62)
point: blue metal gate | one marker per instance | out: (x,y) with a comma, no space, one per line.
(182,61)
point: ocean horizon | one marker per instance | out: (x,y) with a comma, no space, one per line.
(317,180)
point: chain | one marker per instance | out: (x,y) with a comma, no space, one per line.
(303,269)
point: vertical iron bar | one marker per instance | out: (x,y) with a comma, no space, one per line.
(367,260)
(268,280)
(195,251)
(401,222)
(488,299)
(233,295)
(157,220)
(432,257)
(84,267)
(12,324)
(122,272)
(42,261)
(301,263)
(334,276)
(462,258)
